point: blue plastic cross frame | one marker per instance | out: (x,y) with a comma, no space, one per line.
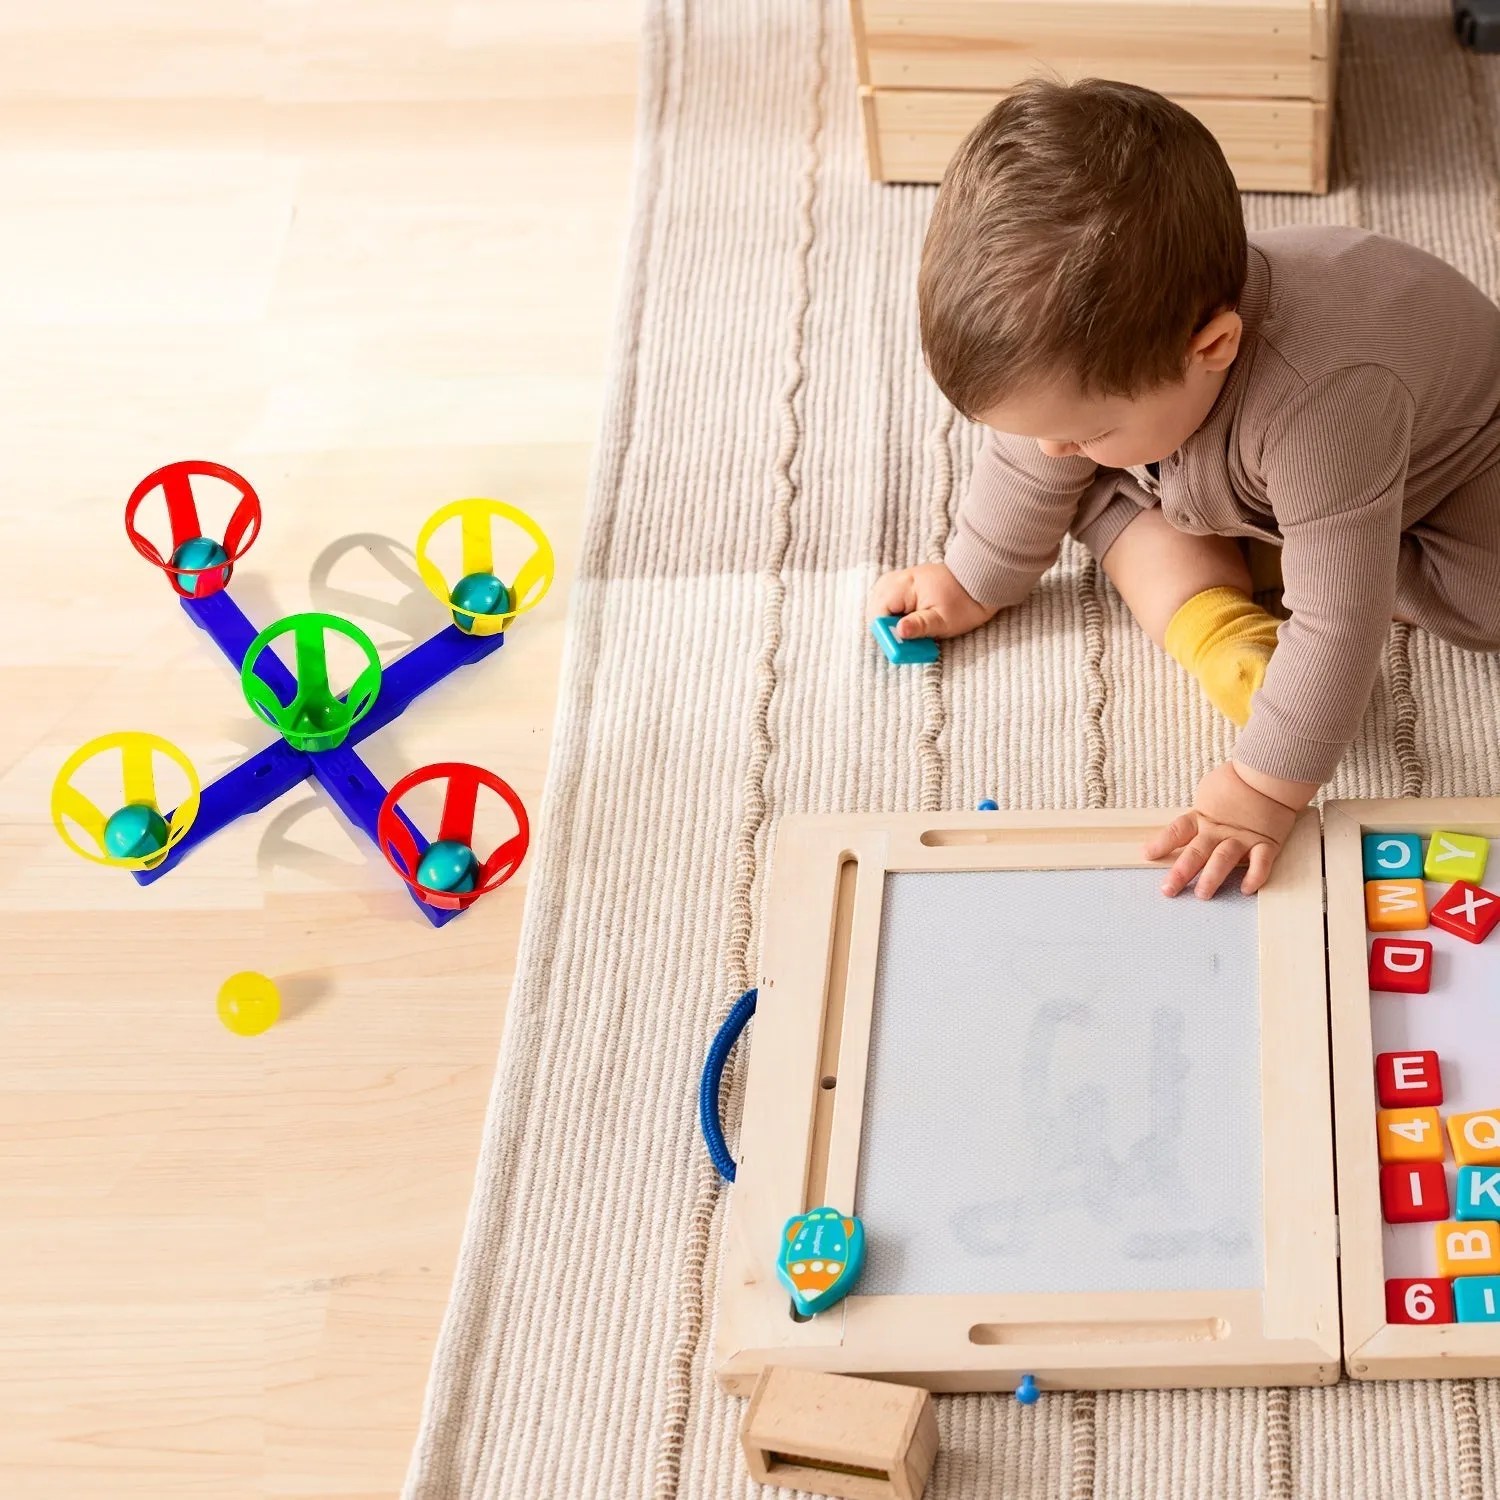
(271,773)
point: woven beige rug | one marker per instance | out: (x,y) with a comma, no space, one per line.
(771,444)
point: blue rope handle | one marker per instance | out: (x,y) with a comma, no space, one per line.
(713,1076)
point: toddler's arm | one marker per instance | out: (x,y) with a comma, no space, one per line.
(1010,525)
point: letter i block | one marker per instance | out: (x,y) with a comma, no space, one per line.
(1409,1134)
(1395,905)
(1478,1299)
(1413,1192)
(1478,1193)
(1403,1079)
(1410,1299)
(1476,1138)
(1402,965)
(1457,856)
(1393,856)
(1467,912)
(1468,1248)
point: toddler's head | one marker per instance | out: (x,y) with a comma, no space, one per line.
(1082,269)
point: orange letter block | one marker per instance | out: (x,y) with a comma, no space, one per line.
(1395,905)
(1468,1248)
(1409,1134)
(1476,1138)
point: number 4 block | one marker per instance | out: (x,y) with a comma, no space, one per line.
(1402,965)
(1418,1300)
(1409,1135)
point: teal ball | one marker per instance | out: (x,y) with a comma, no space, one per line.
(481,592)
(136,831)
(448,866)
(200,552)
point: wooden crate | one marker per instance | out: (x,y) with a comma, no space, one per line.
(1259,73)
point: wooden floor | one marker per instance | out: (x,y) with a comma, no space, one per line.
(223,1261)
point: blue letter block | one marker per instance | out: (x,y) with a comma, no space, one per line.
(1477,1298)
(1393,856)
(902,653)
(1479,1193)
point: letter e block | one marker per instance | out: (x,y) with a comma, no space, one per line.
(1413,1192)
(1395,905)
(1393,856)
(1408,1078)
(1466,911)
(1410,1299)
(1467,1248)
(1401,965)
(1476,1138)
(1456,856)
(1409,1134)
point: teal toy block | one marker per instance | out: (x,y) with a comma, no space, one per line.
(902,653)
(1456,856)
(822,1254)
(1478,1193)
(1477,1298)
(1393,856)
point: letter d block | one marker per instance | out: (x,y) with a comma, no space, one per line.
(1467,1248)
(1401,965)
(1476,1138)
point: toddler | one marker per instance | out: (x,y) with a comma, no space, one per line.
(1160,385)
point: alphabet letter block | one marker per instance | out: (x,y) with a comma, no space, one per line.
(1468,1248)
(1393,856)
(1408,1078)
(1457,856)
(1476,1138)
(1414,1300)
(1466,911)
(1395,905)
(1414,1192)
(1478,1193)
(1478,1299)
(1402,965)
(1409,1134)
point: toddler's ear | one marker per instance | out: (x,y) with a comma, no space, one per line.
(1215,345)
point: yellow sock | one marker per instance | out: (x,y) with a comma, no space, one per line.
(1225,640)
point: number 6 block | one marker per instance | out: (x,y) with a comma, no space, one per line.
(1418,1300)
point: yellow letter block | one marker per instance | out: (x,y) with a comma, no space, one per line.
(1395,905)
(1476,1138)
(1409,1134)
(1457,856)
(1468,1247)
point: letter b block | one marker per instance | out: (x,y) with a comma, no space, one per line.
(1403,965)
(1468,1248)
(1413,1192)
(1418,1300)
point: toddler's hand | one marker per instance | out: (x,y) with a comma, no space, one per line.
(1231,824)
(931,602)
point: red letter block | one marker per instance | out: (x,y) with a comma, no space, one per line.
(1415,1300)
(1401,964)
(1412,1192)
(1407,1078)
(1466,911)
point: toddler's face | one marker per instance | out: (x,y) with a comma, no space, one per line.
(1119,432)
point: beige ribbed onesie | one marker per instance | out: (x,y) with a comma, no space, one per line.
(1359,429)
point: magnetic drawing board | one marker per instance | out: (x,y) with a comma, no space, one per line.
(1087,1129)
(1084,1061)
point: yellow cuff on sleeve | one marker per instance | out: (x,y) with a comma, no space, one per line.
(1225,640)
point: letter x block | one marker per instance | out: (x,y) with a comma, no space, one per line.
(1467,912)
(1403,1079)
(1413,1192)
(1403,965)
(1410,1299)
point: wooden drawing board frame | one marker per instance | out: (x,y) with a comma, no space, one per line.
(1373,1348)
(800,1141)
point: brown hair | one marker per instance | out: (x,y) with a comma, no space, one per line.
(1083,230)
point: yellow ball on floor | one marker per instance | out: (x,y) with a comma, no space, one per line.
(249,1003)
